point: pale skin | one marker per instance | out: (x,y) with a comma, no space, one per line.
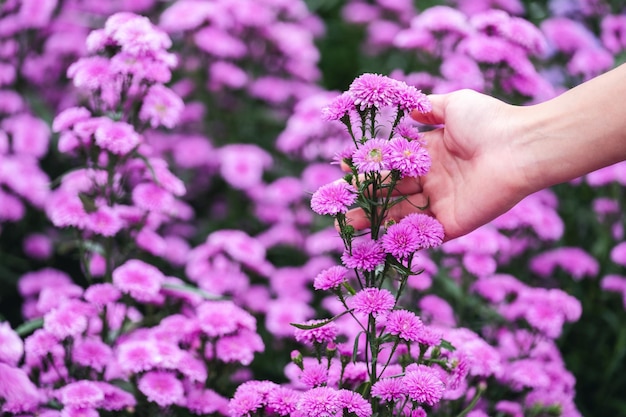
(488,155)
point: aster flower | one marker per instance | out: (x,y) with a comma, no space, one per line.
(135,356)
(354,403)
(11,345)
(162,387)
(429,231)
(81,394)
(423,385)
(389,389)
(404,324)
(372,301)
(408,157)
(333,198)
(161,107)
(373,90)
(115,399)
(65,320)
(240,347)
(330,278)
(365,254)
(18,393)
(319,402)
(119,138)
(314,374)
(323,334)
(339,107)
(372,156)
(219,318)
(92,352)
(283,401)
(140,280)
(400,240)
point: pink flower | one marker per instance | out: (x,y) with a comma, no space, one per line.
(220,43)
(115,399)
(334,198)
(162,388)
(104,221)
(240,347)
(339,107)
(423,384)
(389,389)
(219,318)
(242,165)
(365,254)
(92,352)
(136,34)
(613,32)
(575,261)
(429,231)
(319,402)
(68,117)
(354,403)
(91,73)
(372,156)
(119,138)
(404,324)
(11,345)
(68,319)
(102,294)
(618,254)
(373,90)
(81,394)
(30,135)
(323,334)
(205,401)
(314,374)
(330,278)
(161,107)
(38,246)
(19,394)
(408,157)
(372,301)
(135,356)
(400,240)
(150,197)
(283,401)
(140,280)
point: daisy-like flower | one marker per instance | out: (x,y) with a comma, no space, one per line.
(365,254)
(115,399)
(162,387)
(323,334)
(333,198)
(354,403)
(410,98)
(372,301)
(219,318)
(373,90)
(429,231)
(11,345)
(81,394)
(18,393)
(423,385)
(404,324)
(372,156)
(102,294)
(117,137)
(92,352)
(161,107)
(136,356)
(204,401)
(68,319)
(68,117)
(283,400)
(389,389)
(409,157)
(140,280)
(331,278)
(104,221)
(319,402)
(339,107)
(314,374)
(400,241)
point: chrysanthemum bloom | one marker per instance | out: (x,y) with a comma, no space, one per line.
(140,280)
(409,157)
(17,391)
(91,73)
(400,240)
(372,301)
(242,165)
(372,156)
(404,324)
(423,385)
(330,278)
(244,402)
(240,347)
(162,387)
(354,403)
(319,402)
(81,394)
(283,401)
(365,254)
(11,345)
(373,90)
(204,401)
(136,356)
(104,221)
(39,344)
(161,107)
(389,389)
(102,294)
(92,352)
(333,198)
(115,399)
(119,138)
(410,98)
(618,254)
(314,374)
(339,107)
(323,334)
(219,318)
(66,320)
(575,261)
(429,231)
(68,117)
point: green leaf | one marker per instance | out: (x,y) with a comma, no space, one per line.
(447,345)
(30,326)
(193,290)
(320,324)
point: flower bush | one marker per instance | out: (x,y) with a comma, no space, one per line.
(174,178)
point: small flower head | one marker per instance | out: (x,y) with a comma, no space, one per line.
(119,138)
(354,403)
(162,387)
(373,90)
(319,402)
(372,156)
(81,394)
(323,334)
(408,157)
(161,107)
(140,280)
(333,198)
(11,345)
(330,278)
(404,324)
(423,384)
(400,240)
(365,254)
(429,231)
(339,107)
(373,301)
(389,389)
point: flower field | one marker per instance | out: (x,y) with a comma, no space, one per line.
(174,182)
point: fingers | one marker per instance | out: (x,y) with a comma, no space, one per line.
(436,115)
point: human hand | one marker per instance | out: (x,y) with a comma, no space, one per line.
(474,175)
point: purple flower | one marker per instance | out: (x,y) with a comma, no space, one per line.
(372,301)
(333,198)
(135,356)
(119,138)
(18,393)
(92,352)
(423,385)
(613,32)
(283,401)
(115,399)
(365,254)
(162,387)
(68,117)
(104,221)
(409,157)
(354,403)
(339,107)
(314,374)
(38,246)
(373,90)
(404,324)
(389,389)
(102,294)
(323,334)
(240,347)
(242,165)
(219,318)
(245,401)
(81,394)
(319,402)
(331,278)
(429,231)
(11,345)
(161,107)
(618,254)
(68,319)
(575,261)
(372,156)
(400,240)
(91,73)
(204,401)
(140,280)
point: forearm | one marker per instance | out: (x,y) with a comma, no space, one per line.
(578,132)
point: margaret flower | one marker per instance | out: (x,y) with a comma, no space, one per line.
(372,156)
(333,198)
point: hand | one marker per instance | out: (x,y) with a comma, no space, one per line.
(474,175)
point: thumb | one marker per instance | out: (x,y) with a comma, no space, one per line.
(436,115)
